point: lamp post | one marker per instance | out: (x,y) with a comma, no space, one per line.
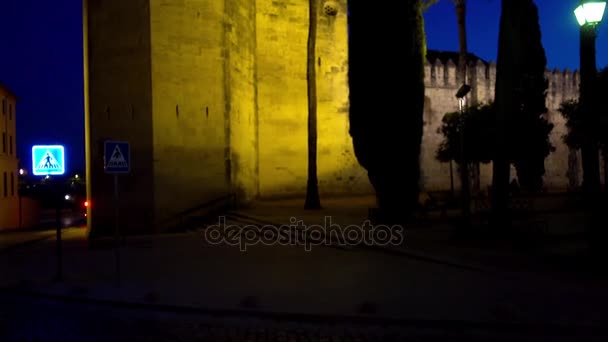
(589,14)
(465,186)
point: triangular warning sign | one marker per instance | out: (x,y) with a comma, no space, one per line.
(117,160)
(48,162)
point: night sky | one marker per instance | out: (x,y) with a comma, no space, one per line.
(41,59)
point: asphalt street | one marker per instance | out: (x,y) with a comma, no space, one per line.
(32,318)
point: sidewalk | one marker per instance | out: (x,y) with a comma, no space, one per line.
(554,235)
(15,239)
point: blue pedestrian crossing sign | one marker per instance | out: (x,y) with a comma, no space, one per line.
(116,157)
(48,160)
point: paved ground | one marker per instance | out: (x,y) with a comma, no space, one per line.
(27,318)
(181,285)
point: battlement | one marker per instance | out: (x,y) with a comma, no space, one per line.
(440,73)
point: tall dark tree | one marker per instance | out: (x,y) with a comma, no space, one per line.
(510,59)
(387,100)
(532,145)
(312,185)
(520,103)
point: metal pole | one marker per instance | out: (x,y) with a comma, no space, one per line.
(465,185)
(452,177)
(59,249)
(20,209)
(590,151)
(116,230)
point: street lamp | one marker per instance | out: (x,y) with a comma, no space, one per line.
(589,14)
(465,187)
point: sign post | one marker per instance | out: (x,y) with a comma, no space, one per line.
(116,161)
(48,160)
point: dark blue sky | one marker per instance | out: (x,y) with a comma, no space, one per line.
(41,59)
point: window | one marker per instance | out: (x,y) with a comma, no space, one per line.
(5,187)
(3,142)
(10,145)
(12,184)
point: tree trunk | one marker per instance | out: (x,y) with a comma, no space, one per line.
(312,187)
(465,180)
(462,39)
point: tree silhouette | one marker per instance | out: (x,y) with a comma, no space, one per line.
(510,59)
(387,100)
(520,103)
(477,121)
(532,144)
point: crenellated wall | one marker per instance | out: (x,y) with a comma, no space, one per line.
(441,86)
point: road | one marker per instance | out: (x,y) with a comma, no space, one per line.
(25,318)
(177,288)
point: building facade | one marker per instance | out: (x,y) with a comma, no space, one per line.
(9,196)
(212,97)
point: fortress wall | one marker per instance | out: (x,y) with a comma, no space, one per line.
(441,87)
(339,171)
(282,106)
(120,109)
(441,81)
(190,59)
(562,164)
(241,91)
(282,34)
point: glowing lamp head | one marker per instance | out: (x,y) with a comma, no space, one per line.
(590,12)
(86,203)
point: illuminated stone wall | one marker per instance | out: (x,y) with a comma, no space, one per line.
(212,96)
(241,93)
(282,34)
(189,104)
(120,108)
(440,81)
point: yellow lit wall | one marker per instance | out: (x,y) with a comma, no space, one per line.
(120,109)
(188,104)
(282,32)
(241,93)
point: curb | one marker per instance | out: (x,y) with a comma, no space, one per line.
(393,250)
(434,259)
(594,330)
(23,244)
